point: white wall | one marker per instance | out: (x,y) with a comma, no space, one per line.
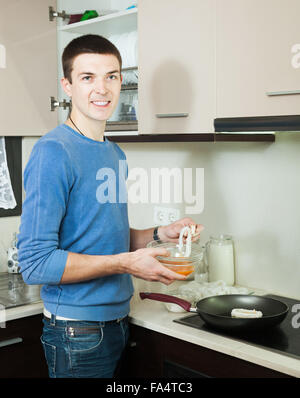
(252,191)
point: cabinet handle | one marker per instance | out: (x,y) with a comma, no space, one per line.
(275,93)
(170,115)
(8,342)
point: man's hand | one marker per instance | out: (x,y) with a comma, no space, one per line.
(143,264)
(171,232)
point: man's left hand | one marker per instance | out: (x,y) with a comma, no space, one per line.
(171,232)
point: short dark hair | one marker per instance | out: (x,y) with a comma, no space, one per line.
(94,44)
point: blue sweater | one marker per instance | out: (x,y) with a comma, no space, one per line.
(75,201)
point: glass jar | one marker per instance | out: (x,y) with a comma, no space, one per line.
(201,269)
(220,259)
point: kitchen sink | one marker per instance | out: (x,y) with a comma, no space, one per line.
(15,292)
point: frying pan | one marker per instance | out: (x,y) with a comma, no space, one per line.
(216,310)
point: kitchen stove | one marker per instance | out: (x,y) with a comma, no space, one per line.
(283,338)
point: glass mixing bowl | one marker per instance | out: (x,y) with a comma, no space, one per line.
(176,261)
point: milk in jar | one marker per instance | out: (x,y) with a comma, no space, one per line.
(220,258)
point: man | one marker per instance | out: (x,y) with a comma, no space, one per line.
(74,243)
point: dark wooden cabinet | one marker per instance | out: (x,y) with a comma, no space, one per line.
(152,354)
(21,352)
(149,354)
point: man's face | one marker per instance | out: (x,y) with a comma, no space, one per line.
(96,85)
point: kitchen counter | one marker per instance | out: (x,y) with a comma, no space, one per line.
(153,315)
(23,311)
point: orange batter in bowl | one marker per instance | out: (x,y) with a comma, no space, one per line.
(180,269)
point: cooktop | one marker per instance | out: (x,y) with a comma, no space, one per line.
(284,338)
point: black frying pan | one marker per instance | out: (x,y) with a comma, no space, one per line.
(216,310)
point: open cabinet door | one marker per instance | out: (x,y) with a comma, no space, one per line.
(28,67)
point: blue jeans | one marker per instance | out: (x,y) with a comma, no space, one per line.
(83,348)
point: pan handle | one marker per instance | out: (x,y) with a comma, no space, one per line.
(166,299)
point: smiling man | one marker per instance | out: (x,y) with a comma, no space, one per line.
(94,85)
(80,249)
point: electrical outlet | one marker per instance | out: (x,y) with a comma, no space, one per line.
(165,216)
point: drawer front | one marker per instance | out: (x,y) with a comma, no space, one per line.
(21,352)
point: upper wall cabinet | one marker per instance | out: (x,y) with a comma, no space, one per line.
(258,70)
(27,67)
(176,66)
(196,62)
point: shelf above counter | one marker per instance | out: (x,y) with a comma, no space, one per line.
(203,137)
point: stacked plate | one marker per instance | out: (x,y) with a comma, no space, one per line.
(127,44)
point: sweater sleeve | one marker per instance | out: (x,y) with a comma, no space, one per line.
(47,182)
